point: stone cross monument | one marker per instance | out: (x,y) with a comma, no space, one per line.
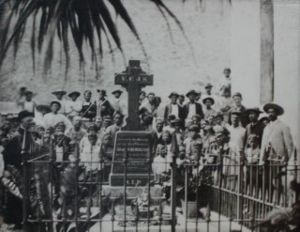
(133,79)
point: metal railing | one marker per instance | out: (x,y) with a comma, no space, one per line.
(72,195)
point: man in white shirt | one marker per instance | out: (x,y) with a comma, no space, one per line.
(207,109)
(28,103)
(226,81)
(236,146)
(192,107)
(173,107)
(59,94)
(74,106)
(277,142)
(90,153)
(116,101)
(51,119)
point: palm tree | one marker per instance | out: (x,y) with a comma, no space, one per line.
(86,21)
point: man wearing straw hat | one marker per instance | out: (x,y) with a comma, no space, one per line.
(74,106)
(276,151)
(59,96)
(277,140)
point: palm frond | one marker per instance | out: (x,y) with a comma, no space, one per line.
(82,21)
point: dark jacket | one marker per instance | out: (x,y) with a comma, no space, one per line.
(89,111)
(168,110)
(199,110)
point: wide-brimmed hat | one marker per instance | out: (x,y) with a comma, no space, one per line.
(274,106)
(237,94)
(103,91)
(208,98)
(175,121)
(74,93)
(59,91)
(208,85)
(43,108)
(117,91)
(173,94)
(236,112)
(194,127)
(254,109)
(24,114)
(191,92)
(55,102)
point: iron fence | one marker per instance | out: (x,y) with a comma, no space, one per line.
(73,195)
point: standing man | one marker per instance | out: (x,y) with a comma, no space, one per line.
(192,107)
(29,104)
(208,110)
(149,103)
(277,142)
(180,100)
(117,126)
(88,110)
(238,107)
(254,126)
(104,107)
(276,150)
(20,147)
(208,90)
(116,102)
(236,151)
(173,107)
(59,94)
(74,106)
(226,81)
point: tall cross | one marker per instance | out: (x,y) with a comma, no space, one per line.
(133,79)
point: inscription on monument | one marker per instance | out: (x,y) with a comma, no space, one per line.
(135,148)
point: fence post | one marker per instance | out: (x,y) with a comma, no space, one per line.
(24,155)
(173,193)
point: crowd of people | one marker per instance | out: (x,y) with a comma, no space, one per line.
(192,127)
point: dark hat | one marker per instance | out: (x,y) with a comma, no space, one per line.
(24,114)
(175,121)
(208,98)
(208,85)
(196,116)
(236,112)
(191,92)
(103,91)
(255,110)
(171,117)
(74,93)
(274,106)
(28,92)
(43,107)
(117,91)
(87,91)
(173,94)
(151,93)
(237,94)
(219,114)
(59,91)
(194,128)
(55,102)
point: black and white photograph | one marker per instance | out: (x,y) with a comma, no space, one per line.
(149,115)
